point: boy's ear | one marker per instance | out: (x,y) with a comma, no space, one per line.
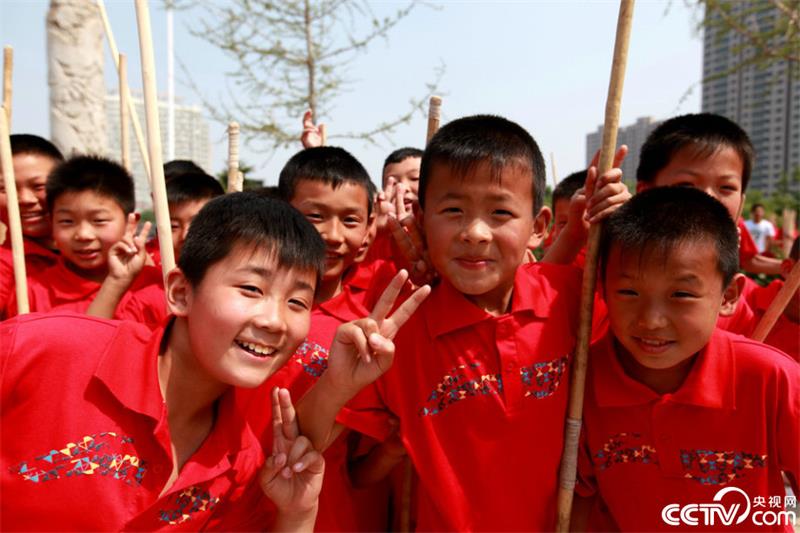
(179,293)
(540,225)
(731,295)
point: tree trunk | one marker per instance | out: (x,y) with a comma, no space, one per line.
(310,62)
(75,77)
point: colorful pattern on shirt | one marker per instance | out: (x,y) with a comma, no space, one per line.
(542,379)
(312,357)
(457,385)
(93,454)
(618,450)
(188,502)
(710,467)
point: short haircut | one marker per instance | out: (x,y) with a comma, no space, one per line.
(401,154)
(247,219)
(756,206)
(92,173)
(660,219)
(567,187)
(330,165)
(191,187)
(176,167)
(466,142)
(703,133)
(24,143)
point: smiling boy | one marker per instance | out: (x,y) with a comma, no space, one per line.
(146,433)
(676,409)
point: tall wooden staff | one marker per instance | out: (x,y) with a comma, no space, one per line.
(434,116)
(8,65)
(777,306)
(553,169)
(575,409)
(323,134)
(137,129)
(154,138)
(124,127)
(14,224)
(235,178)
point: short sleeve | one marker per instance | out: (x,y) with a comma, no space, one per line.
(367,414)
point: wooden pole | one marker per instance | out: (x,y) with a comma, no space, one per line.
(14,223)
(235,178)
(434,116)
(137,128)
(569,458)
(777,306)
(8,66)
(154,138)
(323,134)
(553,172)
(124,126)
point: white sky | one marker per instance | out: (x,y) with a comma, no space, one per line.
(544,64)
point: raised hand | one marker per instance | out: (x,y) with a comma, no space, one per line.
(363,349)
(386,204)
(128,256)
(312,134)
(606,193)
(292,475)
(408,236)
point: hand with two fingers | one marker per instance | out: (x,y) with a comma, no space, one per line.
(312,135)
(408,235)
(128,256)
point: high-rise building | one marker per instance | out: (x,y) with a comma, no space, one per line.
(191,140)
(765,102)
(633,135)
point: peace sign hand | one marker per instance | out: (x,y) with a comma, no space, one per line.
(363,349)
(127,257)
(292,475)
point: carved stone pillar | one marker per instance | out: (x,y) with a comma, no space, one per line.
(75,77)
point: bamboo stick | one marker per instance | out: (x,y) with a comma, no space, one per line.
(323,134)
(777,306)
(154,138)
(434,116)
(8,67)
(235,178)
(553,172)
(14,223)
(575,410)
(137,128)
(124,127)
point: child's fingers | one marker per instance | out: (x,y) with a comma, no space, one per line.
(142,235)
(595,159)
(278,441)
(409,223)
(392,325)
(399,204)
(288,415)
(381,346)
(403,240)
(604,208)
(308,121)
(589,184)
(131,227)
(389,296)
(300,448)
(356,334)
(619,157)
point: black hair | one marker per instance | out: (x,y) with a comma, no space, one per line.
(176,167)
(756,206)
(92,173)
(466,142)
(703,133)
(567,187)
(400,155)
(330,165)
(25,143)
(247,219)
(192,186)
(661,218)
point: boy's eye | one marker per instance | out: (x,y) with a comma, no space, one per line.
(352,221)
(730,188)
(250,289)
(297,302)
(451,210)
(627,292)
(683,294)
(313,216)
(502,212)
(100,220)
(414,178)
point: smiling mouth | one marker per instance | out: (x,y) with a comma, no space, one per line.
(87,254)
(653,345)
(257,350)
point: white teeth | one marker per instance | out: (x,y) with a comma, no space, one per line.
(653,342)
(257,348)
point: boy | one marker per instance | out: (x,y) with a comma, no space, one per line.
(562,195)
(479,383)
(33,158)
(761,230)
(147,434)
(91,201)
(710,153)
(675,409)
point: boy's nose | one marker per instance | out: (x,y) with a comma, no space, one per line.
(650,317)
(84,232)
(25,196)
(270,317)
(332,232)
(477,231)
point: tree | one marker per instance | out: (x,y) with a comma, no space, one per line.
(292,55)
(766,31)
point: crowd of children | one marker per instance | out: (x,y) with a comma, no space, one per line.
(329,356)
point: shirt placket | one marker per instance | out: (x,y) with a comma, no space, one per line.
(509,361)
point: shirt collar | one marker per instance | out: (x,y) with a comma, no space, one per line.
(68,286)
(710,382)
(448,310)
(343,306)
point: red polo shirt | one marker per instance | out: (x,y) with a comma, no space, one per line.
(86,443)
(481,402)
(37,258)
(58,288)
(735,422)
(785,334)
(341,506)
